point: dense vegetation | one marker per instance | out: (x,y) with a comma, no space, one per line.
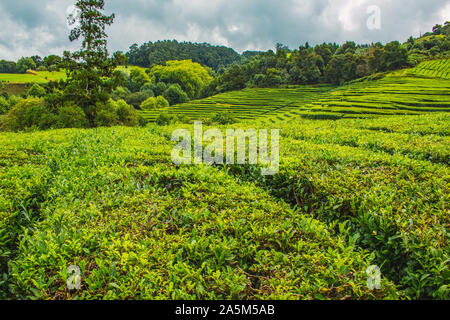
(363,177)
(394,93)
(158,53)
(140,227)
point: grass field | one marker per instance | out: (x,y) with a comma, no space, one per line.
(40,77)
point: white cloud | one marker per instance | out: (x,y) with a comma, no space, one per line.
(29,27)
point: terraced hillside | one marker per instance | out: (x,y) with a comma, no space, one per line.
(422,89)
(388,96)
(247,103)
(433,69)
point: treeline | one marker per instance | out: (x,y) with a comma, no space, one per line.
(150,54)
(50,63)
(99,93)
(329,63)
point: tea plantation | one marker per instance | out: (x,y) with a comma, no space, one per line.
(364,180)
(112,202)
(410,91)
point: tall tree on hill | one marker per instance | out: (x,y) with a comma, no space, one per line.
(91,72)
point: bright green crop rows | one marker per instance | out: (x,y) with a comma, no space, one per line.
(112,202)
(248,103)
(398,93)
(388,178)
(433,69)
(388,96)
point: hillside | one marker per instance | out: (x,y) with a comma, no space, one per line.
(410,91)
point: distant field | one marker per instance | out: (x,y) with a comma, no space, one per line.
(248,103)
(413,91)
(41,77)
(127,69)
(45,76)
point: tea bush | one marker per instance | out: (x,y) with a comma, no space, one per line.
(110,201)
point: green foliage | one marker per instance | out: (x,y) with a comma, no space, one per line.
(158,53)
(4,105)
(91,72)
(137,98)
(191,76)
(26,114)
(126,114)
(223,118)
(106,114)
(72,116)
(120,93)
(175,95)
(138,78)
(115,113)
(24,64)
(154,103)
(158,88)
(385,178)
(36,91)
(140,227)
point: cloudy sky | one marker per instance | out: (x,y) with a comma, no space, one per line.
(29,27)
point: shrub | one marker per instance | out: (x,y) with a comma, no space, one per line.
(13,100)
(154,103)
(142,122)
(26,114)
(72,116)
(135,99)
(4,105)
(165,118)
(174,95)
(158,88)
(106,114)
(120,93)
(138,78)
(36,91)
(126,114)
(223,118)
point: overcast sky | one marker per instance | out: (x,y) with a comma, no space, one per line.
(29,27)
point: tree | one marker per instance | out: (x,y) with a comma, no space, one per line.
(36,91)
(52,62)
(394,56)
(437,29)
(174,94)
(24,64)
(138,78)
(154,103)
(7,66)
(191,76)
(89,70)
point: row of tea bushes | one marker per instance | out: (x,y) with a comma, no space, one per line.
(111,202)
